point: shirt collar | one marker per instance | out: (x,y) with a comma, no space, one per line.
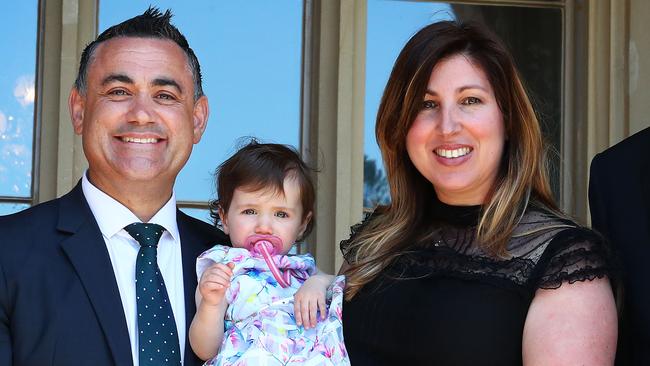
(112,216)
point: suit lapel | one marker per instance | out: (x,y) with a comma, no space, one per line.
(87,252)
(196,237)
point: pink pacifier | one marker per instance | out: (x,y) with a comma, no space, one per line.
(267,246)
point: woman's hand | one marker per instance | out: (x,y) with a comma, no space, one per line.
(310,298)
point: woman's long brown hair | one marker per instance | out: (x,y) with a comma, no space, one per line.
(522,175)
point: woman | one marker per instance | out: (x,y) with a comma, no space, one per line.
(471,263)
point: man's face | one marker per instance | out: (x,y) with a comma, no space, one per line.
(138,119)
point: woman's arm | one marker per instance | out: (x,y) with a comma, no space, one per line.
(311,297)
(575,324)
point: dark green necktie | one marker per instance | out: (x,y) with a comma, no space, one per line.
(157,336)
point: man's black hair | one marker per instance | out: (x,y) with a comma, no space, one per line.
(151,24)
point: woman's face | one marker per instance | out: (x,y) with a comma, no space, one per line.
(456,141)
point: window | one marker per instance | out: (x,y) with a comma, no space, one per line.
(250,54)
(18,34)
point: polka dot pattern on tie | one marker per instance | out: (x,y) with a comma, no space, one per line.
(156,325)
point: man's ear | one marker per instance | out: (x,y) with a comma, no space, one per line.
(224,221)
(303,227)
(76,105)
(200,117)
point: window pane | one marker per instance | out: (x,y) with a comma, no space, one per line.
(250,54)
(538,56)
(386,36)
(7,208)
(18,29)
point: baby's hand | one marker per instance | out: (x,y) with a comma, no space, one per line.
(309,298)
(214,282)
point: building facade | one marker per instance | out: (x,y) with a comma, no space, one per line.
(586,63)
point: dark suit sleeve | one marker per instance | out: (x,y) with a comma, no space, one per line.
(596,203)
(5,331)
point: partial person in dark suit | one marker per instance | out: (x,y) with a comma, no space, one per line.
(619,199)
(68,293)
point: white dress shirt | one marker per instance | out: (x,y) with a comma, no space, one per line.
(112,217)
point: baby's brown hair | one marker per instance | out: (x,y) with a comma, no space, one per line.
(259,166)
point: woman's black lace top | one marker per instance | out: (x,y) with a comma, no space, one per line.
(446,302)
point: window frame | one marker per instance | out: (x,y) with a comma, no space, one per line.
(36,143)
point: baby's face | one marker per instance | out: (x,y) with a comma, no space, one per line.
(265,212)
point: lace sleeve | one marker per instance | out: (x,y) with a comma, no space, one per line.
(347,249)
(576,254)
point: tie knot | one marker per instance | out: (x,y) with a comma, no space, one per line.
(147,235)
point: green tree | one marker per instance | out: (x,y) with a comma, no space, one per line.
(375,185)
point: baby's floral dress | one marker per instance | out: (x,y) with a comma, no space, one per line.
(260,327)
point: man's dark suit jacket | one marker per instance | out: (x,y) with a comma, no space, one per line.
(59,301)
(619,197)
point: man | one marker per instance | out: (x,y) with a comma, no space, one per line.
(74,272)
(619,197)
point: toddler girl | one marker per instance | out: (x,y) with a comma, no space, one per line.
(245,298)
